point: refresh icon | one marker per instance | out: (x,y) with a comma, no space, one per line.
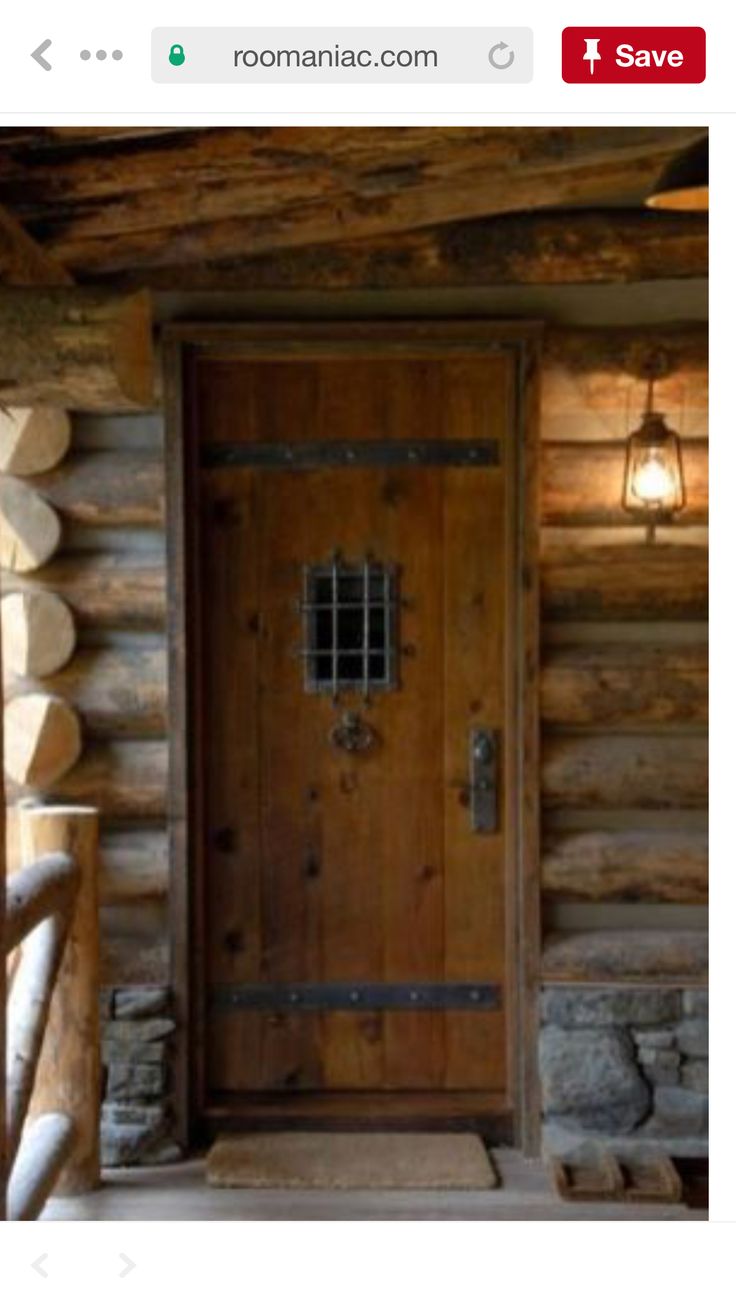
(501,56)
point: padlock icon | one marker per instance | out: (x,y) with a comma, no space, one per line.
(176,55)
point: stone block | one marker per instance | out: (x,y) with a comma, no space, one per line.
(654,1039)
(692,1037)
(678,1111)
(695,1075)
(573,1006)
(166,1151)
(658,1057)
(695,1003)
(124,1145)
(591,1078)
(113,1052)
(148,1115)
(133,1081)
(662,1075)
(575,1146)
(141,1001)
(124,1031)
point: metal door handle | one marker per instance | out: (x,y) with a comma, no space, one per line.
(484,765)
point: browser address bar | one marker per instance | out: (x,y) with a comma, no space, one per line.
(189,55)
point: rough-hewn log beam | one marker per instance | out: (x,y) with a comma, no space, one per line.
(599,956)
(76,349)
(606,866)
(625,581)
(126,963)
(43,739)
(592,387)
(646,772)
(103,590)
(134,865)
(38,634)
(32,440)
(30,530)
(624,685)
(524,249)
(582,482)
(23,262)
(225,194)
(125,779)
(104,489)
(118,692)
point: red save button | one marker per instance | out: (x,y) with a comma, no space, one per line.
(633,54)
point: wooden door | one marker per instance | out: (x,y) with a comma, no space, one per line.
(354,738)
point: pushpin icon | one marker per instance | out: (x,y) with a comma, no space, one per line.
(176,55)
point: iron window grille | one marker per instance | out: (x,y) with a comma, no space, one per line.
(349,626)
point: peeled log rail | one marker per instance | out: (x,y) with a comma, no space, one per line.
(117,691)
(104,590)
(40,904)
(33,440)
(582,483)
(523,249)
(661,957)
(134,865)
(668,867)
(30,530)
(43,739)
(624,685)
(76,349)
(125,779)
(645,772)
(629,581)
(44,1151)
(69,1075)
(104,489)
(38,634)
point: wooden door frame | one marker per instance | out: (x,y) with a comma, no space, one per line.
(270,342)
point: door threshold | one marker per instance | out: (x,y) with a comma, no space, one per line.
(484,1112)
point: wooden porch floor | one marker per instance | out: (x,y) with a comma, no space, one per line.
(180,1193)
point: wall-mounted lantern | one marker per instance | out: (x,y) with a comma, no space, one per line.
(654,487)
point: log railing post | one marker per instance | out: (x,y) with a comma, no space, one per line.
(68,1078)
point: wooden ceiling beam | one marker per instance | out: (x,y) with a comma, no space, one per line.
(545,248)
(236,193)
(23,262)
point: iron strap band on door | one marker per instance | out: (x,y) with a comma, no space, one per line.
(351,454)
(344,996)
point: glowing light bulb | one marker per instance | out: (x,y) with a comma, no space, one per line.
(653,482)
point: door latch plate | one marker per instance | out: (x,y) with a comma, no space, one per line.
(484,756)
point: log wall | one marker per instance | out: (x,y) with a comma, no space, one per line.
(624,659)
(109,492)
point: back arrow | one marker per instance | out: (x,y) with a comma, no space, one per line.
(38,1266)
(38,54)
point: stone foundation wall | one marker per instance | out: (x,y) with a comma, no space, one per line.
(627,1067)
(137,1032)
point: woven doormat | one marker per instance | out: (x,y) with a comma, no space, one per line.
(305,1160)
